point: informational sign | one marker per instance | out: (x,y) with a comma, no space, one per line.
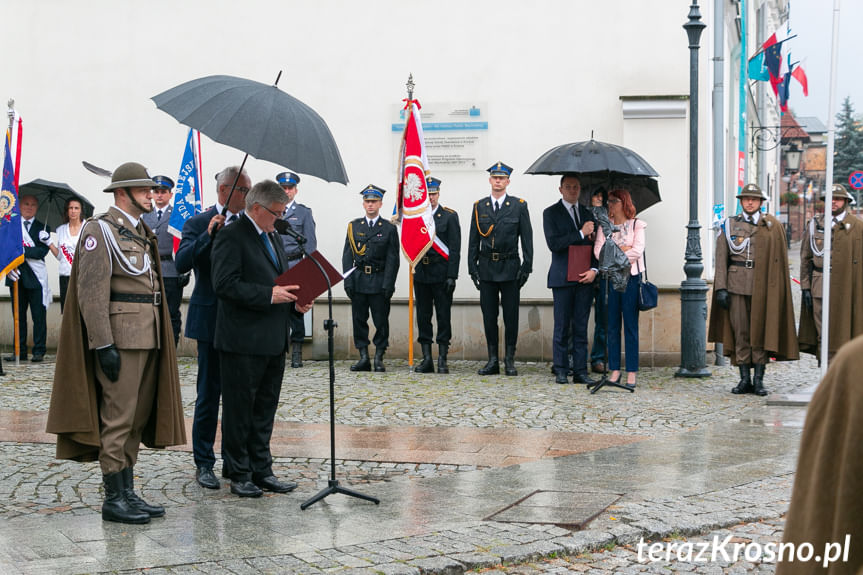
(456,134)
(855,180)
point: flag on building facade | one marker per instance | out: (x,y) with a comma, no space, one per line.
(11,236)
(414,209)
(800,75)
(188,199)
(757,69)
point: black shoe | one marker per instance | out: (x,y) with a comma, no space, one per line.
(582,378)
(245,489)
(560,377)
(297,356)
(115,507)
(490,368)
(13,358)
(427,364)
(272,484)
(37,359)
(206,478)
(379,361)
(744,386)
(363,364)
(509,361)
(597,367)
(134,499)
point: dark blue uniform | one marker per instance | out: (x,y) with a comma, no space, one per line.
(430,279)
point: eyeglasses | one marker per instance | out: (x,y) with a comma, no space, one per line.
(243,191)
(271,211)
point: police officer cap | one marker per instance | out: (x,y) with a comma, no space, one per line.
(130,175)
(839,191)
(288,179)
(500,169)
(750,191)
(372,192)
(163,182)
(432,184)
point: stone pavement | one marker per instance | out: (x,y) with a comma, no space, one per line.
(472,473)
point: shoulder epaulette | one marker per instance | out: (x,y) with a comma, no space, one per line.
(521,200)
(448,209)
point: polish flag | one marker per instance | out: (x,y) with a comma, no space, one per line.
(414,209)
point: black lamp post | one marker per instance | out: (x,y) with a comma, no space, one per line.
(693,290)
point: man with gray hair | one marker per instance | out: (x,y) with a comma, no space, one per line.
(195,253)
(252,336)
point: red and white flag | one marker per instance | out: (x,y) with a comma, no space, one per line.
(414,209)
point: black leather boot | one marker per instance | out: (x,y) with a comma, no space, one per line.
(509,361)
(758,380)
(363,364)
(441,358)
(379,360)
(297,355)
(427,365)
(493,365)
(115,507)
(133,498)
(745,383)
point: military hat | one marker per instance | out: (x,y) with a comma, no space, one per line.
(130,175)
(751,191)
(288,179)
(372,192)
(839,191)
(500,169)
(432,184)
(163,182)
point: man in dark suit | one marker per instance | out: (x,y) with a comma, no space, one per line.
(33,290)
(568,223)
(372,246)
(301,220)
(194,252)
(434,282)
(252,336)
(497,223)
(157,220)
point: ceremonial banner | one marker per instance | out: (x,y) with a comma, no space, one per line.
(188,200)
(414,209)
(11,236)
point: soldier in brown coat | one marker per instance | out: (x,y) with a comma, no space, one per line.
(846,277)
(752,313)
(119,386)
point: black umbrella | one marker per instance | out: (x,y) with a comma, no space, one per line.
(52,198)
(598,163)
(258,119)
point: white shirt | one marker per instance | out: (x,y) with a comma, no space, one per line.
(499,201)
(66,243)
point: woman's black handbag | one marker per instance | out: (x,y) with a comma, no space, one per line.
(648,295)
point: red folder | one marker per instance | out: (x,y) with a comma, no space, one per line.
(310,279)
(578,262)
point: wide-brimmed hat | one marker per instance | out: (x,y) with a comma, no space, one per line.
(839,191)
(130,175)
(751,191)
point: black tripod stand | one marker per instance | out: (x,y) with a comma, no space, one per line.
(594,387)
(329,325)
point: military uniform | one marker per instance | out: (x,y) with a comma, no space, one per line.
(494,264)
(158,221)
(374,251)
(301,220)
(434,283)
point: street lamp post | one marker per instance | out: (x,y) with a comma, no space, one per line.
(693,290)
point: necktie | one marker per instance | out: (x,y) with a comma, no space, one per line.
(270,249)
(27,225)
(750,219)
(495,206)
(575,215)
(232,219)
(159,216)
(835,221)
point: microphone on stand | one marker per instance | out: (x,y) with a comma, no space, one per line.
(284,228)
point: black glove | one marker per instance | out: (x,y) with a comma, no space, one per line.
(450,285)
(807,298)
(475,278)
(723,299)
(521,278)
(350,292)
(183,279)
(109,361)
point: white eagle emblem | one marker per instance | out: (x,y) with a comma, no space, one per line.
(413,187)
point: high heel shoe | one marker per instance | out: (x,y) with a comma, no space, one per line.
(614,380)
(630,386)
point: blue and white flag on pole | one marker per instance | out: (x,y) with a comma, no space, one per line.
(187,195)
(11,234)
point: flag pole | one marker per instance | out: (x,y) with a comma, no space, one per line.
(410,87)
(16,343)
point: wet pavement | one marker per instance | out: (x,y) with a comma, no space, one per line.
(506,474)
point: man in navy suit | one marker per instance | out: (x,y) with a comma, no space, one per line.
(568,223)
(33,290)
(252,336)
(195,253)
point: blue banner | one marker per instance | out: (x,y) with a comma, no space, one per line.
(187,194)
(11,237)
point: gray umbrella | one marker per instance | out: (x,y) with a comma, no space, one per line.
(258,119)
(52,198)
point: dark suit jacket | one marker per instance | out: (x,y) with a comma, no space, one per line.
(194,253)
(243,279)
(433,268)
(381,255)
(560,233)
(499,234)
(28,279)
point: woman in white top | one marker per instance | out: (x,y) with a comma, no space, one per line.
(630,238)
(67,239)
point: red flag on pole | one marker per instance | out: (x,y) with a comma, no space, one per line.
(414,209)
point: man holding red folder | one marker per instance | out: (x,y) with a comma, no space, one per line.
(569,233)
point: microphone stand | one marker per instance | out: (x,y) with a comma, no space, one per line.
(329,325)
